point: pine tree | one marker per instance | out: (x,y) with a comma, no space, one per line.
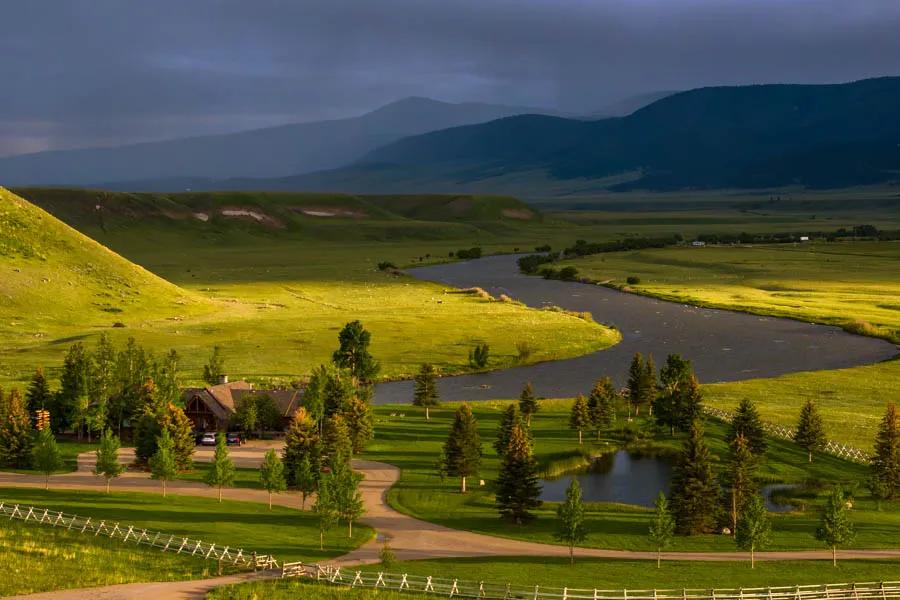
(101,383)
(301,441)
(675,371)
(221,470)
(271,475)
(45,455)
(754,528)
(641,382)
(214,369)
(886,461)
(162,464)
(336,443)
(746,421)
(740,480)
(326,506)
(165,374)
(580,417)
(353,353)
(304,479)
(510,417)
(358,417)
(570,514)
(835,528)
(348,497)
(462,451)
(662,528)
(602,404)
(15,432)
(108,464)
(649,384)
(73,393)
(694,488)
(690,403)
(38,395)
(518,488)
(425,390)
(528,404)
(182,431)
(810,434)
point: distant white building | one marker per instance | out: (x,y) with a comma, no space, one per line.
(698,243)
(804,238)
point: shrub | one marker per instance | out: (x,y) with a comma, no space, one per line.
(478,356)
(477,291)
(544,248)
(524,350)
(386,266)
(632,280)
(568,273)
(468,254)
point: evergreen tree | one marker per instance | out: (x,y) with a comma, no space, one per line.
(511,416)
(353,353)
(165,374)
(214,368)
(746,421)
(675,371)
(425,390)
(45,455)
(570,514)
(650,385)
(810,434)
(690,403)
(305,480)
(886,461)
(602,404)
(182,431)
(754,528)
(348,497)
(73,393)
(15,432)
(641,382)
(336,440)
(580,417)
(694,489)
(528,403)
(101,383)
(326,506)
(301,441)
(662,528)
(462,451)
(162,464)
(132,371)
(835,528)
(108,464)
(478,356)
(271,475)
(221,471)
(358,417)
(38,395)
(740,480)
(518,488)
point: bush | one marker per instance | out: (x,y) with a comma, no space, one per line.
(386,266)
(468,254)
(524,350)
(544,248)
(568,273)
(478,356)
(632,280)
(477,291)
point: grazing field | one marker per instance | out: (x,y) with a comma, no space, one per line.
(38,558)
(414,445)
(286,533)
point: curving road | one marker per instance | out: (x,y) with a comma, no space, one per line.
(723,345)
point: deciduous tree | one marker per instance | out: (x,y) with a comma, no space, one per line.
(579,417)
(358,417)
(163,467)
(662,528)
(271,475)
(107,454)
(45,455)
(305,480)
(214,368)
(353,353)
(570,527)
(835,528)
(336,440)
(301,441)
(348,497)
(528,403)
(754,528)
(221,470)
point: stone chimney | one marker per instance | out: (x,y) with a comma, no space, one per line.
(223,379)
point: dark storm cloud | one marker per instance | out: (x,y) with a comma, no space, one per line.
(105,71)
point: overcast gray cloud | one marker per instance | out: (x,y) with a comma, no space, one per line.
(98,72)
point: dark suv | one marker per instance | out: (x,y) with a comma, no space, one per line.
(234,439)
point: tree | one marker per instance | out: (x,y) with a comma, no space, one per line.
(132,371)
(73,393)
(108,464)
(301,441)
(336,440)
(835,528)
(221,470)
(15,432)
(271,475)
(358,417)
(511,416)
(754,527)
(329,392)
(45,455)
(353,353)
(740,483)
(246,416)
(162,464)
(886,461)
(268,416)
(694,488)
(348,498)
(38,395)
(649,384)
(810,434)
(675,371)
(461,456)
(214,369)
(580,417)
(326,506)
(662,528)
(165,374)
(640,392)
(182,431)
(528,404)
(101,383)
(746,421)
(570,515)
(602,404)
(304,479)
(425,391)
(518,488)
(478,356)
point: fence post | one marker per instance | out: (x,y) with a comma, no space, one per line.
(403,583)
(454,590)
(536,595)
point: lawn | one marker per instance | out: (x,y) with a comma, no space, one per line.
(69,450)
(414,445)
(38,558)
(282,532)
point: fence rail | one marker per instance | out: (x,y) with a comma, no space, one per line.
(786,433)
(480,590)
(138,536)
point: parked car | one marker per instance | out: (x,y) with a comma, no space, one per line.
(234,438)
(208,439)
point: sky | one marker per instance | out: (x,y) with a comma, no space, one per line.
(80,73)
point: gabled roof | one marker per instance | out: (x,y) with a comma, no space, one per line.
(223,399)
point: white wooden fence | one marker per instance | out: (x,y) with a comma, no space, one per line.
(786,433)
(137,536)
(459,588)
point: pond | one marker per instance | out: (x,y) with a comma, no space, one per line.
(631,478)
